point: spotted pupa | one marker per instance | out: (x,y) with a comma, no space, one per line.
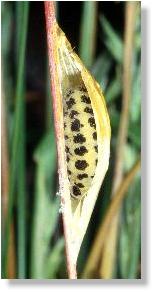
(86,122)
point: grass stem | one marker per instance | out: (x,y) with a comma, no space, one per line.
(51,35)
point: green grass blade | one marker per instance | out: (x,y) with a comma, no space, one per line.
(100,70)
(44,223)
(88,32)
(112,41)
(45,205)
(19,9)
(16,143)
(115,87)
(135,245)
(21,205)
(7,20)
(54,260)
(21,184)
(130,232)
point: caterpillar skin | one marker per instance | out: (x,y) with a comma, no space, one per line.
(86,122)
(80,140)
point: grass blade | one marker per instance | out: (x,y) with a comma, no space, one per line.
(88,32)
(45,208)
(113,41)
(100,70)
(54,260)
(22,20)
(16,138)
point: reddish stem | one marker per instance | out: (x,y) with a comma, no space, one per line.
(51,41)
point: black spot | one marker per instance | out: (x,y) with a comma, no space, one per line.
(81,164)
(79,185)
(70,102)
(92,176)
(96,161)
(82,125)
(75,126)
(66,137)
(85,99)
(69,172)
(96,148)
(88,110)
(79,138)
(65,113)
(95,136)
(82,88)
(82,176)
(64,125)
(73,114)
(69,92)
(67,158)
(91,121)
(67,149)
(76,191)
(80,150)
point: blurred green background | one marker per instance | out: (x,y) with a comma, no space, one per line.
(32,233)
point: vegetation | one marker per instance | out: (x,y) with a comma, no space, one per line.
(32,235)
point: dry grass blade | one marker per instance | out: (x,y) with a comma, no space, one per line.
(109,252)
(96,252)
(73,87)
